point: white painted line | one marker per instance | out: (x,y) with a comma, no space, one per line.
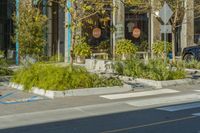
(165,100)
(197,90)
(139,94)
(196,114)
(180,107)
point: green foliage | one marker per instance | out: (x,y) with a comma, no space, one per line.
(104,46)
(4,70)
(155,69)
(82,49)
(133,68)
(126,47)
(30,28)
(1,54)
(192,64)
(143,46)
(56,58)
(159,46)
(50,77)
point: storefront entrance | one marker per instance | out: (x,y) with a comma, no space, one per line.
(6,25)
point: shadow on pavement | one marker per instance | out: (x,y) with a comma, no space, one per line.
(140,121)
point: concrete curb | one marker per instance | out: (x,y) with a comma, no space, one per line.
(75,92)
(162,84)
(192,70)
(159,84)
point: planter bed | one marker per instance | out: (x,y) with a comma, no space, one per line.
(159,84)
(74,92)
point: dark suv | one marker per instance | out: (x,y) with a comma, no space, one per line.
(191,52)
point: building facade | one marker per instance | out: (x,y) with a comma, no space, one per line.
(142,29)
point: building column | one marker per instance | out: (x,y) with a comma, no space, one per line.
(187,32)
(49,31)
(118,22)
(61,30)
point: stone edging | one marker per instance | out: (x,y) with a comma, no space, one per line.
(192,70)
(74,92)
(159,84)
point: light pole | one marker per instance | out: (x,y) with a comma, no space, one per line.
(68,29)
(17,33)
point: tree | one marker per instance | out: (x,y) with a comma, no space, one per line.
(30,27)
(178,7)
(81,12)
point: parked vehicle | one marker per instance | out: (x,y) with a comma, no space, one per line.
(191,52)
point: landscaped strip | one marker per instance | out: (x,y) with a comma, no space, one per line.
(55,78)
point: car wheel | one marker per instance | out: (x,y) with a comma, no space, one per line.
(189,57)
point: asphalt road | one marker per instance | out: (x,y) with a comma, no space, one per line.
(137,112)
(151,120)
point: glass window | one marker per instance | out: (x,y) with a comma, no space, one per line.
(136,29)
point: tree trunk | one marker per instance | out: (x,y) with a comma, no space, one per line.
(73,29)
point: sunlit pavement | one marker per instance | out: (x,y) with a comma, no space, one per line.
(175,110)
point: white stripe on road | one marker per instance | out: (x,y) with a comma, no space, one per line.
(196,114)
(181,107)
(197,90)
(139,94)
(165,100)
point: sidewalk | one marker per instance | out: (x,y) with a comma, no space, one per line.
(22,102)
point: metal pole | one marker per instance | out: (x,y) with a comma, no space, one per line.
(165,38)
(114,24)
(165,43)
(69,29)
(17,33)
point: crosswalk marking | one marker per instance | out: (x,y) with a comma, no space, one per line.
(181,107)
(164,100)
(139,94)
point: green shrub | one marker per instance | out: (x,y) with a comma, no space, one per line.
(143,46)
(159,46)
(155,69)
(4,70)
(82,49)
(126,47)
(194,64)
(50,77)
(104,46)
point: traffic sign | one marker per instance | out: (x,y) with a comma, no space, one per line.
(165,29)
(165,13)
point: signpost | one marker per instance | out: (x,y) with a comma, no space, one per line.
(165,15)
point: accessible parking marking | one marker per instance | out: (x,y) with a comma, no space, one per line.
(11,98)
(18,101)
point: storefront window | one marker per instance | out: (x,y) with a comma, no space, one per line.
(136,29)
(98,33)
(197,31)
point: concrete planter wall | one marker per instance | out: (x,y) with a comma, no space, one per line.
(158,84)
(75,92)
(161,84)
